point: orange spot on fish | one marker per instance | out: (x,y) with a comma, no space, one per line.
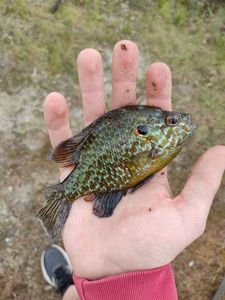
(137,132)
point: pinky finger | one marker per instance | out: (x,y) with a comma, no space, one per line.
(57,121)
(56,118)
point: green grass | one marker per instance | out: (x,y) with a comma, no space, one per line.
(188,38)
(39,48)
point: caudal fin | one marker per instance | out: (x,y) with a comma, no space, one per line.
(54,214)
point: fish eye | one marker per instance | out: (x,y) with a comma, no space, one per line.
(141,130)
(172,119)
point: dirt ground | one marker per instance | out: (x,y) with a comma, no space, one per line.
(24,146)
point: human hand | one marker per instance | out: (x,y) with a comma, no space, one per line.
(148,228)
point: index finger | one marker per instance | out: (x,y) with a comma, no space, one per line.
(159,85)
(159,90)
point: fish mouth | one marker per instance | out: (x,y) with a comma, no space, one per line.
(192,126)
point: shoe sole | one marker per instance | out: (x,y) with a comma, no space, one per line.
(45,274)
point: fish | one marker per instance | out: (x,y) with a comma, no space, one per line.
(113,156)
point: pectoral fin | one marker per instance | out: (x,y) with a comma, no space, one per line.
(67,153)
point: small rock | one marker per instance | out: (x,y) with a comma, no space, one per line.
(9,241)
(10,189)
(191,263)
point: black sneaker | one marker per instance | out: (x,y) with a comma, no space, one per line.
(220,293)
(56,268)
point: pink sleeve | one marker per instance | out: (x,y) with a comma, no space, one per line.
(153,284)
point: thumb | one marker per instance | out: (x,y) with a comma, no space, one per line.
(201,187)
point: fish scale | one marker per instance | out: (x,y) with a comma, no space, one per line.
(114,155)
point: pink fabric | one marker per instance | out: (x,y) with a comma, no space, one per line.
(153,284)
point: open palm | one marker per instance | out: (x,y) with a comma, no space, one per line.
(148,228)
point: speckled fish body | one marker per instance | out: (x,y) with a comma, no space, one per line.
(115,158)
(113,155)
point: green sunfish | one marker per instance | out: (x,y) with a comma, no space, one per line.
(113,156)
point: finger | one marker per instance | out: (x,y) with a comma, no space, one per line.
(159,85)
(124,72)
(57,122)
(159,89)
(56,118)
(202,185)
(90,73)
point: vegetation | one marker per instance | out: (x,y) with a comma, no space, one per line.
(188,35)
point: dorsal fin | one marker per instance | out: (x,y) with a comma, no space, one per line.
(67,153)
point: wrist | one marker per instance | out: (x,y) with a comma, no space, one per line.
(157,283)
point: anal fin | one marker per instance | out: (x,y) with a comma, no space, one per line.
(105,203)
